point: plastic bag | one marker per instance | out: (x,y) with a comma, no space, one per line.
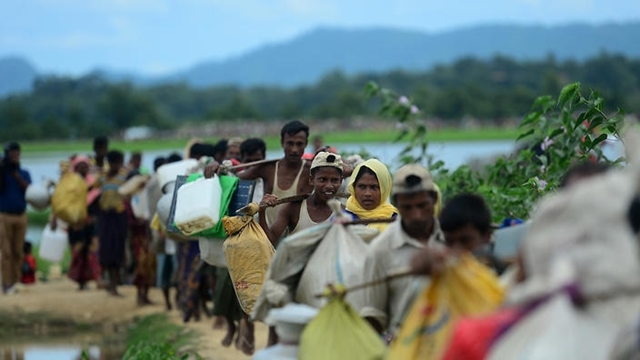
(248,253)
(38,196)
(69,199)
(338,259)
(465,288)
(338,332)
(53,244)
(140,205)
(212,252)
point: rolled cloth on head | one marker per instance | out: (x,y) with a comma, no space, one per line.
(79,159)
(385,209)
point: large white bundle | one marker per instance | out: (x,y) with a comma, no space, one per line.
(286,268)
(305,262)
(38,196)
(338,259)
(198,205)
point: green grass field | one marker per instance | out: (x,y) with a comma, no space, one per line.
(351,137)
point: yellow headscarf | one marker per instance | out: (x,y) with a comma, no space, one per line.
(385,209)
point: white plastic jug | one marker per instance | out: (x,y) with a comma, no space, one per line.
(167,173)
(164,207)
(53,244)
(198,205)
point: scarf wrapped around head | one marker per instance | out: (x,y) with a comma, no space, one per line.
(89,178)
(385,209)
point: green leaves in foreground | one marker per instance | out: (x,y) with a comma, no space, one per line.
(155,337)
(554,135)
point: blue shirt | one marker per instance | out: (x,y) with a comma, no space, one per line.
(12,198)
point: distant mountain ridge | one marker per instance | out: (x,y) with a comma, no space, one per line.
(306,58)
(16,75)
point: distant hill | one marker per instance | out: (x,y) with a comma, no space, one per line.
(16,75)
(306,58)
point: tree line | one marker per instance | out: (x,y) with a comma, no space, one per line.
(487,90)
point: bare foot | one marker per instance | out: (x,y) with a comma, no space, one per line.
(273,337)
(143,302)
(115,293)
(228,339)
(246,338)
(219,323)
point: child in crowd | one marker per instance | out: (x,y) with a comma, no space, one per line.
(28,265)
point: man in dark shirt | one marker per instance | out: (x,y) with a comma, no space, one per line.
(13,216)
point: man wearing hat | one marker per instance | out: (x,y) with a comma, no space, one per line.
(13,217)
(414,193)
(326,178)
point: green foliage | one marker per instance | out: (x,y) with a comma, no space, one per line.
(155,337)
(413,130)
(554,135)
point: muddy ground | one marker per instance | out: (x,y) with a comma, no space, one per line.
(56,308)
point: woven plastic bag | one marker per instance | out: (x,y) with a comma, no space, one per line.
(465,288)
(286,269)
(69,199)
(248,253)
(338,332)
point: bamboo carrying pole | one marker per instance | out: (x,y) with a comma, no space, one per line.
(383,280)
(253,163)
(285,200)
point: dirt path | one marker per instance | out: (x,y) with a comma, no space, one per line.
(61,298)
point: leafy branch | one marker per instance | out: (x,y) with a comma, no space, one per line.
(554,135)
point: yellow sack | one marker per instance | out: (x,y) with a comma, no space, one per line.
(465,288)
(338,332)
(248,253)
(69,199)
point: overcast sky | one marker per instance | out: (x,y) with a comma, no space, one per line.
(161,36)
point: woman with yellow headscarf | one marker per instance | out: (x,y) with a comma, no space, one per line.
(370,187)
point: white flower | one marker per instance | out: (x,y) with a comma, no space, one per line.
(546,143)
(414,109)
(403,100)
(542,184)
